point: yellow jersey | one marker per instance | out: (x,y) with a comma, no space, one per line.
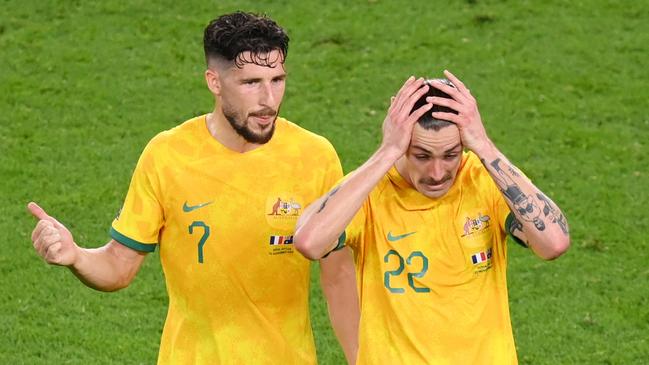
(431,273)
(224,221)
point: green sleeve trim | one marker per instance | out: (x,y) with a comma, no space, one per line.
(509,226)
(340,245)
(341,241)
(131,243)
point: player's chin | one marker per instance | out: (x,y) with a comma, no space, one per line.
(433,191)
(264,135)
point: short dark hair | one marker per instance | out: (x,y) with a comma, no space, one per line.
(229,35)
(427,121)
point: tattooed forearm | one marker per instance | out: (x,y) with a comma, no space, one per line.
(555,215)
(533,220)
(526,207)
(324,203)
(513,171)
(516,225)
(511,190)
(563,224)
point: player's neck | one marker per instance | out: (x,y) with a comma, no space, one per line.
(223,132)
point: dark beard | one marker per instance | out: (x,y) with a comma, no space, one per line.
(243,130)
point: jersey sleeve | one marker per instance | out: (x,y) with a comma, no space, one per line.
(501,208)
(356,228)
(139,222)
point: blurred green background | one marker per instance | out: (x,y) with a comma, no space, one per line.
(562,88)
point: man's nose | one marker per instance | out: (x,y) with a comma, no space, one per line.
(436,170)
(267,96)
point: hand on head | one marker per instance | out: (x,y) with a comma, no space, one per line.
(399,122)
(468,120)
(52,241)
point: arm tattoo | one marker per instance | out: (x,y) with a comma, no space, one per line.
(515,226)
(555,215)
(523,204)
(514,172)
(324,203)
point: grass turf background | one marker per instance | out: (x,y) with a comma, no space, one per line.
(562,88)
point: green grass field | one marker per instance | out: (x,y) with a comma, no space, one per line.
(562,87)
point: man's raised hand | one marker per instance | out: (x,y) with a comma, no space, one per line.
(399,122)
(52,241)
(468,120)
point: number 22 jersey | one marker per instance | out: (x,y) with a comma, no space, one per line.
(431,273)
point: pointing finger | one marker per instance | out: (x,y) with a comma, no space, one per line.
(37,211)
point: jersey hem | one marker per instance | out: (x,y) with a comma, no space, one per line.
(131,243)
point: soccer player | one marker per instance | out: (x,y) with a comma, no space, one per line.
(220,195)
(427,222)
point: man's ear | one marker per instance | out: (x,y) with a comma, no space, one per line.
(213,80)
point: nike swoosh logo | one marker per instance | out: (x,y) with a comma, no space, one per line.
(392,238)
(189,208)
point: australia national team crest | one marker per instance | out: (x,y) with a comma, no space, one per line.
(476,224)
(477,240)
(283,210)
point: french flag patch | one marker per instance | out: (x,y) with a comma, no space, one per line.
(281,240)
(480,257)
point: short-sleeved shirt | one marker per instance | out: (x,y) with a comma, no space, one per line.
(224,222)
(431,273)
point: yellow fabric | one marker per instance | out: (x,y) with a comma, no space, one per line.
(444,309)
(247,302)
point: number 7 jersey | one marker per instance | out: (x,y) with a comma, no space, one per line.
(224,221)
(431,273)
